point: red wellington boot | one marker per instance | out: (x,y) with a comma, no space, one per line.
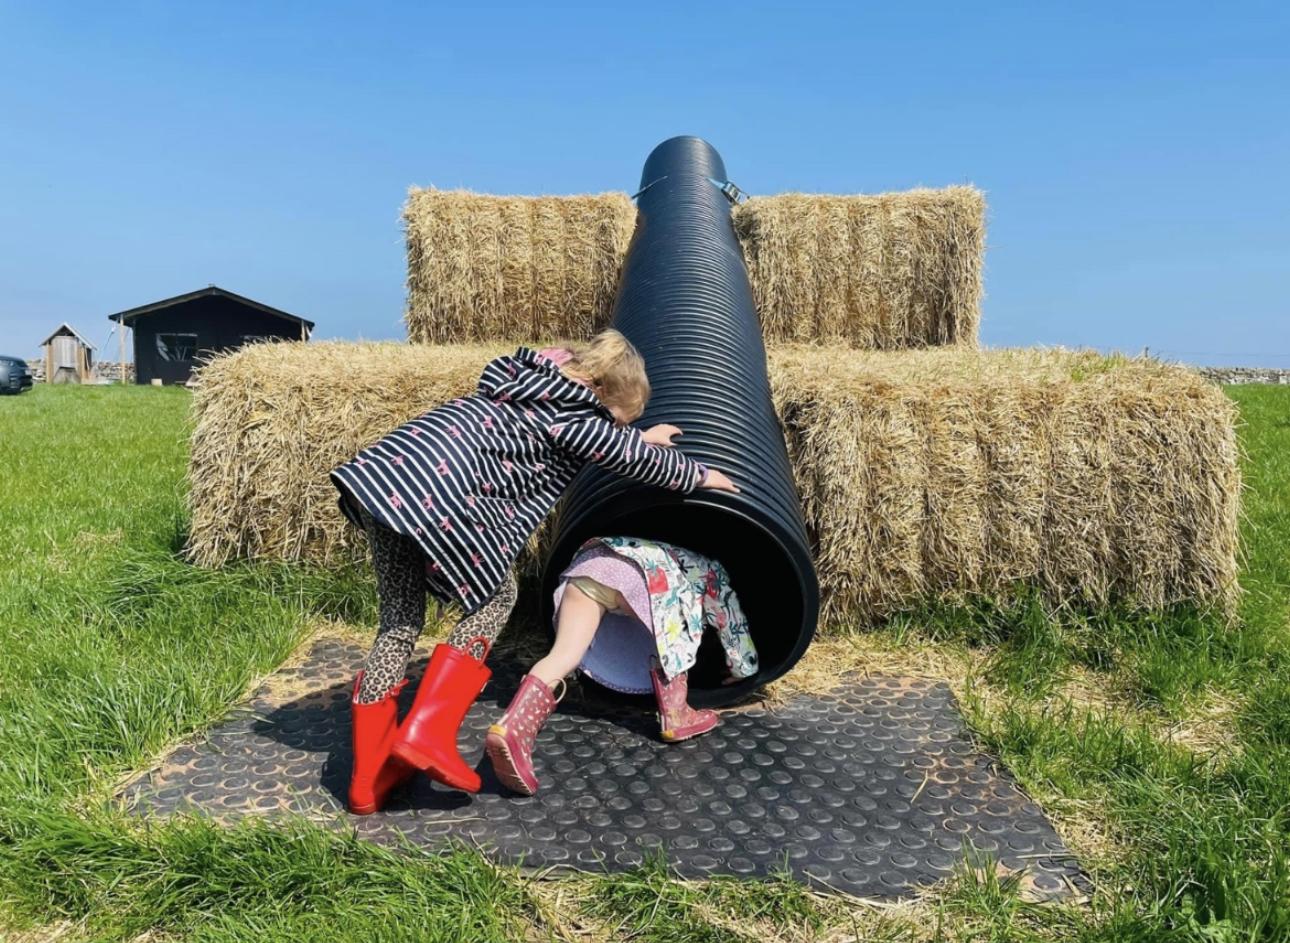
(375,772)
(428,735)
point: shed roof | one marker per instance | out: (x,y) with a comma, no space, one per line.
(208,291)
(65,327)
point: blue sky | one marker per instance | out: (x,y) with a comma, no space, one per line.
(1135,156)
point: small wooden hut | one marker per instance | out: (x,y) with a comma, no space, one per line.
(69,357)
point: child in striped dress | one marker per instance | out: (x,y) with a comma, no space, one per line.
(448,500)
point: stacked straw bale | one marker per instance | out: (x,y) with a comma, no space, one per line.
(932,474)
(884,272)
(940,474)
(892,271)
(512,267)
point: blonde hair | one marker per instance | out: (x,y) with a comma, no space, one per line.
(614,368)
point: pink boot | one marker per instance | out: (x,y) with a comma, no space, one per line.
(677,720)
(509,743)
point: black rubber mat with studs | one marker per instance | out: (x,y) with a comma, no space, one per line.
(874,789)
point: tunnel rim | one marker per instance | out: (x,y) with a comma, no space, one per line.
(800,571)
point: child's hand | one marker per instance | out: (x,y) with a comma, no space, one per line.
(717,481)
(660,434)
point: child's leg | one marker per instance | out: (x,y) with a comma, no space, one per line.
(400,586)
(488,620)
(510,741)
(576,626)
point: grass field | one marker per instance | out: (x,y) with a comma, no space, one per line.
(1160,744)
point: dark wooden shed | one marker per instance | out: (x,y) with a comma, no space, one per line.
(173,336)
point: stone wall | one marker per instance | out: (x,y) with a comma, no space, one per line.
(1245,374)
(108,370)
(111,370)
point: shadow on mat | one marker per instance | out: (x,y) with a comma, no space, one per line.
(319,722)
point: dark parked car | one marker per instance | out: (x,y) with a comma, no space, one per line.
(15,375)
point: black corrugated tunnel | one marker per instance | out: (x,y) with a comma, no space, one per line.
(685,302)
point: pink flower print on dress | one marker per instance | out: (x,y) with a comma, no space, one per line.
(539,466)
(434,566)
(556,429)
(464,590)
(479,528)
(507,465)
(510,368)
(445,524)
(487,487)
(442,467)
(476,560)
(397,460)
(427,501)
(362,461)
(420,531)
(529,413)
(488,422)
(455,431)
(510,513)
(470,500)
(504,547)
(504,397)
(395,501)
(415,430)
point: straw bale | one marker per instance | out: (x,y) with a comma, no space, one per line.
(883,272)
(270,421)
(891,271)
(934,474)
(939,474)
(486,268)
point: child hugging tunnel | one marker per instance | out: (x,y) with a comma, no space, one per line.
(448,500)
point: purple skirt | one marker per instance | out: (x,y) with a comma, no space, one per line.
(620,654)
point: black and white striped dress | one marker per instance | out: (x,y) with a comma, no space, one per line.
(471,480)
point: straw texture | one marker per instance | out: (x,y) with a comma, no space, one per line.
(892,271)
(884,272)
(939,474)
(933,474)
(512,267)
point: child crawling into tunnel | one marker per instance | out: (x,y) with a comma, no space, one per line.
(447,500)
(630,614)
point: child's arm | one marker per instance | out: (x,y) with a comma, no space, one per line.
(624,451)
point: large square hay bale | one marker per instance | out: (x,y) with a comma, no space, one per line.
(935,474)
(883,272)
(892,271)
(942,474)
(270,422)
(486,267)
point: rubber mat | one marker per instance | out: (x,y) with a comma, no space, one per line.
(874,789)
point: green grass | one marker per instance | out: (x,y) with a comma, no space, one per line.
(114,648)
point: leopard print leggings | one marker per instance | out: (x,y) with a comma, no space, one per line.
(400,586)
